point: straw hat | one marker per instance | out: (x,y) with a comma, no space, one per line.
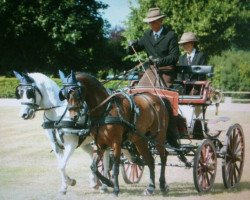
(187,37)
(153,15)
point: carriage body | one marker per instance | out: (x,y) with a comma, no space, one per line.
(194,93)
(189,92)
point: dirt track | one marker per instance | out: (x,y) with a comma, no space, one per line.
(29,171)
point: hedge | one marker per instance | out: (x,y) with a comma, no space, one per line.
(8,86)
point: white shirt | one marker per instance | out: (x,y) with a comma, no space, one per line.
(158,33)
(191,55)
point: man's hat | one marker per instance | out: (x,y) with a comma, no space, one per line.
(187,37)
(153,15)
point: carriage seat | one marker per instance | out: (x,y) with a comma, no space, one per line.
(194,72)
(193,83)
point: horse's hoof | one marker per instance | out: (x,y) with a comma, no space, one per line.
(148,192)
(95,187)
(73,182)
(62,192)
(104,189)
(115,194)
(165,189)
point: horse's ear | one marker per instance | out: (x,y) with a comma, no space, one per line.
(61,75)
(73,77)
(18,76)
(27,78)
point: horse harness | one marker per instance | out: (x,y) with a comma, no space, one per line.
(31,89)
(106,118)
(82,128)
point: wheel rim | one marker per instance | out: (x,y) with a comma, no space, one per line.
(132,173)
(233,161)
(205,167)
(100,167)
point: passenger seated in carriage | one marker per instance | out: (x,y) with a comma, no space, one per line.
(192,55)
(191,58)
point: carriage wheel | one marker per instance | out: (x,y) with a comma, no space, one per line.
(100,166)
(205,164)
(233,161)
(131,172)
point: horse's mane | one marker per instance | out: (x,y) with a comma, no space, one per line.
(93,81)
(47,86)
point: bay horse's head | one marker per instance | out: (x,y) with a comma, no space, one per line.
(29,95)
(73,92)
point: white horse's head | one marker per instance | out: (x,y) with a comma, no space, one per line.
(35,90)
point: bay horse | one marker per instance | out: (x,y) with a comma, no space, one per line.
(120,117)
(38,92)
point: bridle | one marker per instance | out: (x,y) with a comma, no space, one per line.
(78,95)
(30,90)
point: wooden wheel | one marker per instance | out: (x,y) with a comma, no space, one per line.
(131,172)
(233,161)
(100,167)
(205,164)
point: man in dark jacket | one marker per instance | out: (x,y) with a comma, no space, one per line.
(161,45)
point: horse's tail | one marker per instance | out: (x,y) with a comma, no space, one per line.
(172,134)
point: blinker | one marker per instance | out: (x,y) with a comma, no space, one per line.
(65,92)
(30,92)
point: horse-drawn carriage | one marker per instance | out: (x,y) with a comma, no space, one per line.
(133,123)
(231,150)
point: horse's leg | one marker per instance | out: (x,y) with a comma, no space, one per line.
(59,153)
(106,162)
(142,147)
(70,143)
(117,155)
(93,180)
(163,156)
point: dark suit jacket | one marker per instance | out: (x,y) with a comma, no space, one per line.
(199,59)
(166,47)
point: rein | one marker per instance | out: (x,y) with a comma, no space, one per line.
(103,102)
(49,108)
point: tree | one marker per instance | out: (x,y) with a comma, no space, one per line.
(46,35)
(114,52)
(215,22)
(232,72)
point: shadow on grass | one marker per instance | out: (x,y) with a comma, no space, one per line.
(183,189)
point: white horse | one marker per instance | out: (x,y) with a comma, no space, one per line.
(38,92)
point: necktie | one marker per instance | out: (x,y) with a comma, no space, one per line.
(156,36)
(189,60)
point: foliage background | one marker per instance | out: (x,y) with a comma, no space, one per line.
(45,36)
(218,24)
(222,28)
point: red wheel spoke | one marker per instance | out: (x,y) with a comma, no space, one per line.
(205,166)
